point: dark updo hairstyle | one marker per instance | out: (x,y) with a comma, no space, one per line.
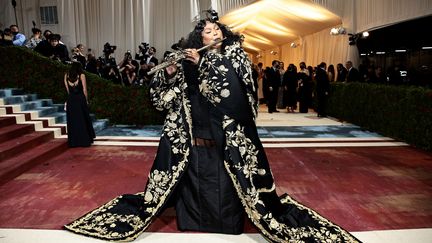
(195,41)
(75,71)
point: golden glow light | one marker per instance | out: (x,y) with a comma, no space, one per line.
(269,23)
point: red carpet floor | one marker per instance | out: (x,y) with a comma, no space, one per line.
(358,188)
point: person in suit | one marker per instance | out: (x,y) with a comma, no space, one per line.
(353,74)
(151,57)
(341,73)
(273,79)
(322,89)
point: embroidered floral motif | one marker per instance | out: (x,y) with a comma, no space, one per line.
(167,94)
(214,80)
(214,84)
(243,68)
(255,207)
(157,185)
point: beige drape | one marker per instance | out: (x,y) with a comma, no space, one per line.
(127,23)
(357,16)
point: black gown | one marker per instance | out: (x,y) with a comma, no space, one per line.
(79,125)
(226,85)
(205,198)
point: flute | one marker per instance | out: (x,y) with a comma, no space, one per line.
(178,55)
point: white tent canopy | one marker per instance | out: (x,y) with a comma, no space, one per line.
(127,23)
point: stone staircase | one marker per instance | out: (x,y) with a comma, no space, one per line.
(32,131)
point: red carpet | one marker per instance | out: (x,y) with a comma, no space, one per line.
(358,188)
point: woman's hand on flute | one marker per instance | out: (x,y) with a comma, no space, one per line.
(192,55)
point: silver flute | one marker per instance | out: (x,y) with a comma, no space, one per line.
(178,55)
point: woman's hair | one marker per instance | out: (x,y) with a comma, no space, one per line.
(195,39)
(75,71)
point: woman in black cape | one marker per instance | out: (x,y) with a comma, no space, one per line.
(210,163)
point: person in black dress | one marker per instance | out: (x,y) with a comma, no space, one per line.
(79,125)
(210,163)
(304,88)
(290,85)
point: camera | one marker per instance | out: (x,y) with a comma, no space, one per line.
(109,49)
(143,51)
(143,47)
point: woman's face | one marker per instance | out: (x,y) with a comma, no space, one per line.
(212,33)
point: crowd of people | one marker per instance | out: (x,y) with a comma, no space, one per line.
(285,89)
(131,70)
(277,87)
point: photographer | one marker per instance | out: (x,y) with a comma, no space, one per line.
(151,58)
(128,69)
(108,65)
(143,52)
(56,50)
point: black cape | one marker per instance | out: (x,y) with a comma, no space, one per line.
(279,219)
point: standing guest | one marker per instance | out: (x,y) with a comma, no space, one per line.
(289,85)
(380,75)
(210,163)
(322,89)
(353,74)
(274,80)
(331,73)
(91,65)
(260,70)
(78,55)
(341,73)
(280,100)
(35,39)
(79,125)
(304,88)
(265,86)
(255,79)
(18,38)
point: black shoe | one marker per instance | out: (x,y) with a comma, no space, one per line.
(275,111)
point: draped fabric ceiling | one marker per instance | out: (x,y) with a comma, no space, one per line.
(269,23)
(269,26)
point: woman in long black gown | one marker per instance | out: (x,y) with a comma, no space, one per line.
(79,125)
(210,163)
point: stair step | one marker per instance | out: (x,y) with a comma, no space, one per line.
(10,92)
(18,99)
(46,111)
(100,125)
(15,166)
(38,104)
(59,117)
(13,131)
(23,143)
(6,121)
(45,124)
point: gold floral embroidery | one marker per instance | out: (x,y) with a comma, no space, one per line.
(257,210)
(101,223)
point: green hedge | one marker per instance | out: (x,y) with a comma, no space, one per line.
(26,69)
(401,112)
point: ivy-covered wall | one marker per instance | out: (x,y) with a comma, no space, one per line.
(400,112)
